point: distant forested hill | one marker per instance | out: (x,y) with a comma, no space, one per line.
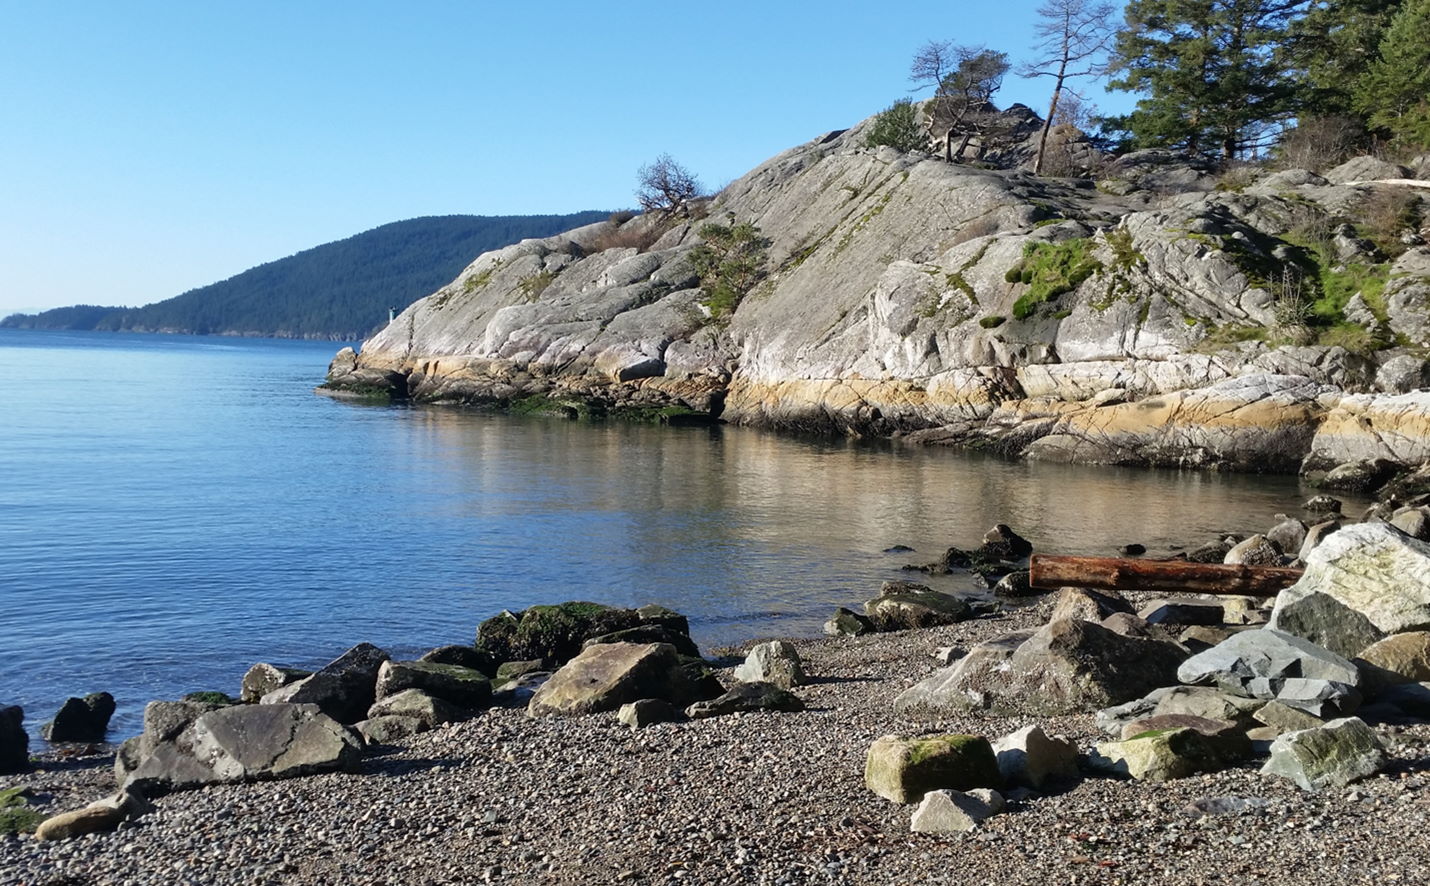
(339,290)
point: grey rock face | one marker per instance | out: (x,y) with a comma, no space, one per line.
(607,675)
(648,712)
(81,719)
(1257,664)
(1330,756)
(14,743)
(454,684)
(905,604)
(1364,168)
(746,698)
(776,662)
(343,689)
(1402,374)
(1029,757)
(249,743)
(950,812)
(1361,584)
(264,678)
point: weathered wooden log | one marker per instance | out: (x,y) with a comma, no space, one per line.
(1178,576)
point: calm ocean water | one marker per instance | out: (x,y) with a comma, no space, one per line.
(174,509)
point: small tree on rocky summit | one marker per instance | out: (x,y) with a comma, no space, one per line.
(964,80)
(1073,38)
(665,186)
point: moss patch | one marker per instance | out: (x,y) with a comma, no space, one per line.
(1050,270)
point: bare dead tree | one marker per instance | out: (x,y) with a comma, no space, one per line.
(1073,39)
(665,186)
(965,79)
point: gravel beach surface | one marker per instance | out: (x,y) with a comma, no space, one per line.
(775,798)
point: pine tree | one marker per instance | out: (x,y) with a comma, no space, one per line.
(1209,70)
(1395,93)
(1332,47)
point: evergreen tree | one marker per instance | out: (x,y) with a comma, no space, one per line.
(1209,71)
(1333,46)
(1394,94)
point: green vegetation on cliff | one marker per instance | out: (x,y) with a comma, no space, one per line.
(339,290)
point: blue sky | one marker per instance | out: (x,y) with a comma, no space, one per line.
(153,147)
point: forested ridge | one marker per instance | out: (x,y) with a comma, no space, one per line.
(340,290)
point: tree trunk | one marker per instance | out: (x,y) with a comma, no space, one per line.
(1175,576)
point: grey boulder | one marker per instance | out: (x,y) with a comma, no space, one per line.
(81,719)
(775,662)
(456,685)
(14,742)
(343,689)
(905,604)
(1257,663)
(1329,756)
(747,698)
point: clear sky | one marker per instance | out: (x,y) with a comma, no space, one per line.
(149,148)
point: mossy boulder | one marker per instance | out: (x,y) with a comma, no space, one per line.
(554,634)
(1160,755)
(463,687)
(904,769)
(905,604)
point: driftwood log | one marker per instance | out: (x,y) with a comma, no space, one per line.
(1174,576)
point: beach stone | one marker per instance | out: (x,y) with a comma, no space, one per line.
(1256,663)
(1399,658)
(264,678)
(1224,738)
(1323,504)
(650,633)
(93,819)
(1210,806)
(1315,535)
(904,769)
(1201,637)
(1017,583)
(14,742)
(249,743)
(517,691)
(1363,475)
(648,712)
(343,689)
(775,662)
(1159,755)
(747,698)
(1362,583)
(1411,699)
(1002,543)
(905,604)
(1211,552)
(1132,550)
(1132,626)
(388,729)
(419,705)
(1086,604)
(969,683)
(1196,701)
(1288,535)
(454,684)
(1284,718)
(1323,699)
(1182,611)
(1240,610)
(848,622)
(462,656)
(1328,756)
(510,670)
(81,719)
(1030,758)
(1414,522)
(608,675)
(1070,666)
(1255,551)
(554,634)
(950,812)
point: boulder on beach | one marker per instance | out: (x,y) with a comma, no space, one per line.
(906,604)
(847,621)
(554,634)
(904,769)
(419,706)
(464,656)
(1257,663)
(14,742)
(648,712)
(456,685)
(607,675)
(1399,658)
(954,812)
(81,719)
(1362,583)
(744,698)
(775,662)
(264,678)
(1205,702)
(1159,755)
(343,689)
(247,743)
(1328,756)
(1029,757)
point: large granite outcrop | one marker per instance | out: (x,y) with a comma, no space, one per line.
(1129,323)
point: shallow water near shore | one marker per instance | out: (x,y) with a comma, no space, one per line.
(174,509)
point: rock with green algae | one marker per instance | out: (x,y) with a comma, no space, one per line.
(904,769)
(1159,755)
(556,634)
(1329,756)
(905,604)
(457,685)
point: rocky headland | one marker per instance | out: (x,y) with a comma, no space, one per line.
(1142,312)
